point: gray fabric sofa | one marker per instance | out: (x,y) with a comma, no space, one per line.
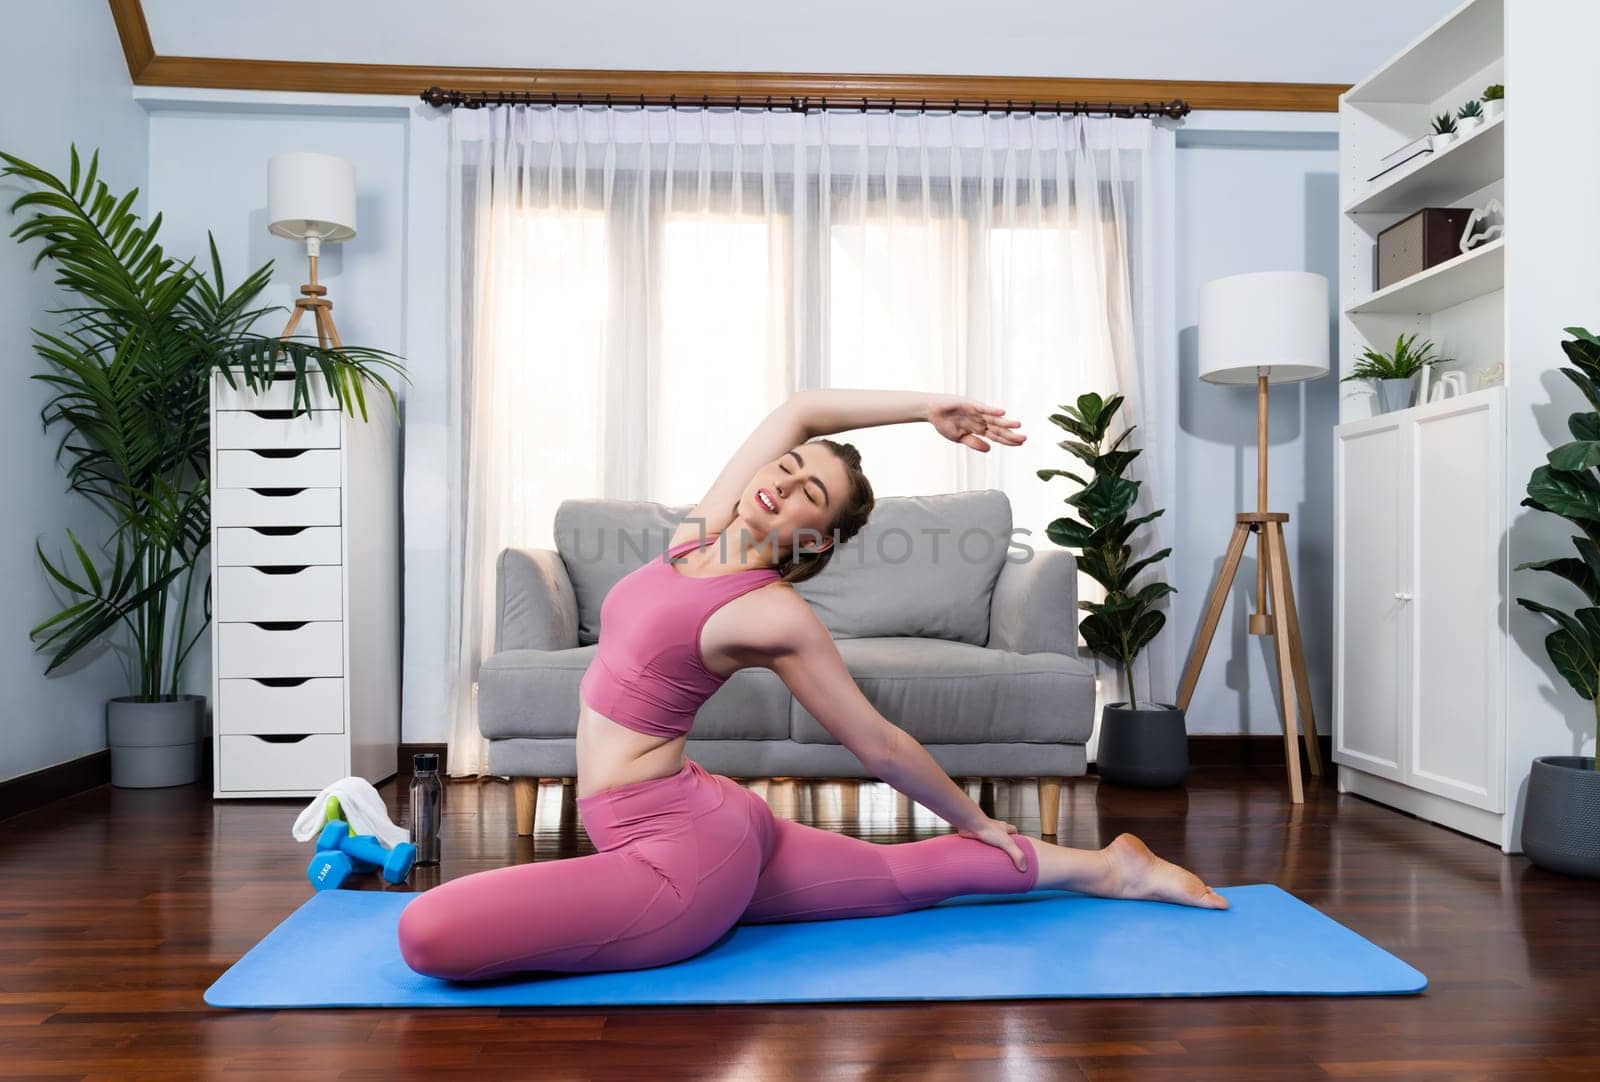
(960,634)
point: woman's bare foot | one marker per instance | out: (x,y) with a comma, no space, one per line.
(1136,872)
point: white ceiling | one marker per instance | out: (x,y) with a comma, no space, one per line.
(1250,40)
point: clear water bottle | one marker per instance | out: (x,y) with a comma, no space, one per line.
(427,805)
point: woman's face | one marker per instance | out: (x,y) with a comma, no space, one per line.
(795,499)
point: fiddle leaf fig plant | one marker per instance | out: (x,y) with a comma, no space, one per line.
(1122,625)
(1569,486)
(129,369)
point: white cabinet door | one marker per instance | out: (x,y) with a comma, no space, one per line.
(1455,703)
(1370,637)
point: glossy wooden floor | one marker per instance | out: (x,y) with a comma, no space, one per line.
(119,907)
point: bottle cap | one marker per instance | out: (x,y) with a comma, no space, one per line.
(425,760)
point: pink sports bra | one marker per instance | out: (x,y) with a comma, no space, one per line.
(648,673)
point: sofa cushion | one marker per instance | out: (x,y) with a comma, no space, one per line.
(954,693)
(534,693)
(923,566)
(601,540)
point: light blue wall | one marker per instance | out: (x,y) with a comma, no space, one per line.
(62,78)
(1245,201)
(1252,201)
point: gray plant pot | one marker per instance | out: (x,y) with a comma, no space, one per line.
(1396,394)
(1147,748)
(1561,824)
(155,744)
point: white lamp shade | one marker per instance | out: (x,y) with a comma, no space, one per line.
(311,195)
(1272,323)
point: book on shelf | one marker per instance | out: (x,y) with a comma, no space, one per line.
(1403,154)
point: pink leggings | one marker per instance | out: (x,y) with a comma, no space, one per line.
(681,860)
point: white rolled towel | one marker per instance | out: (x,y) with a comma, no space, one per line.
(362,806)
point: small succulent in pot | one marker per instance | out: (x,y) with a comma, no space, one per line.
(1444,131)
(1494,100)
(1469,117)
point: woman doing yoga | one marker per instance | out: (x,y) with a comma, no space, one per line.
(683,854)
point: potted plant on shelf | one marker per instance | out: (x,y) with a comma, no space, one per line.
(1444,132)
(1561,820)
(1494,101)
(1469,118)
(129,374)
(1143,745)
(1395,373)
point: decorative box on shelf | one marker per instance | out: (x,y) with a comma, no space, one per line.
(1416,242)
(305,591)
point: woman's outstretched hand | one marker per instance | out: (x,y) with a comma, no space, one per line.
(998,833)
(965,421)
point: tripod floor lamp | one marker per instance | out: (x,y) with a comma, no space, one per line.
(1270,327)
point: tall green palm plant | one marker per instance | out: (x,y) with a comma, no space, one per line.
(130,371)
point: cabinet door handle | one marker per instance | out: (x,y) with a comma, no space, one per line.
(1401,596)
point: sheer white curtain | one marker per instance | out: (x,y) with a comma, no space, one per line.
(633,289)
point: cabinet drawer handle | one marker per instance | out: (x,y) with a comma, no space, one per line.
(281,738)
(273,453)
(280,681)
(280,625)
(278,531)
(281,569)
(277,492)
(273,415)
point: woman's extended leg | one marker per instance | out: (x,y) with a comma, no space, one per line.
(815,874)
(1124,869)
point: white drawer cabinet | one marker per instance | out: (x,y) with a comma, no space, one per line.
(305,636)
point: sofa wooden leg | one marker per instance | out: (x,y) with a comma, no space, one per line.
(850,800)
(1049,804)
(526,791)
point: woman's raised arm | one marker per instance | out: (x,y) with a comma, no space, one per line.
(826,410)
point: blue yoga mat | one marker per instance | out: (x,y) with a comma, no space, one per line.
(340,949)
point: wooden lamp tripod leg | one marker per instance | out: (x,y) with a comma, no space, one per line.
(1214,607)
(1290,622)
(1277,574)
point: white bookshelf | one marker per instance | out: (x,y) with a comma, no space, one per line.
(1443,693)
(1420,504)
(1458,305)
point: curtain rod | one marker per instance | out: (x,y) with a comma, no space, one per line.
(804,103)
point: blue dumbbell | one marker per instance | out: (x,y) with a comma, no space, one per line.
(339,855)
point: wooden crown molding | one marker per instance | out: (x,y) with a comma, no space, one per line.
(148,68)
(135,35)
